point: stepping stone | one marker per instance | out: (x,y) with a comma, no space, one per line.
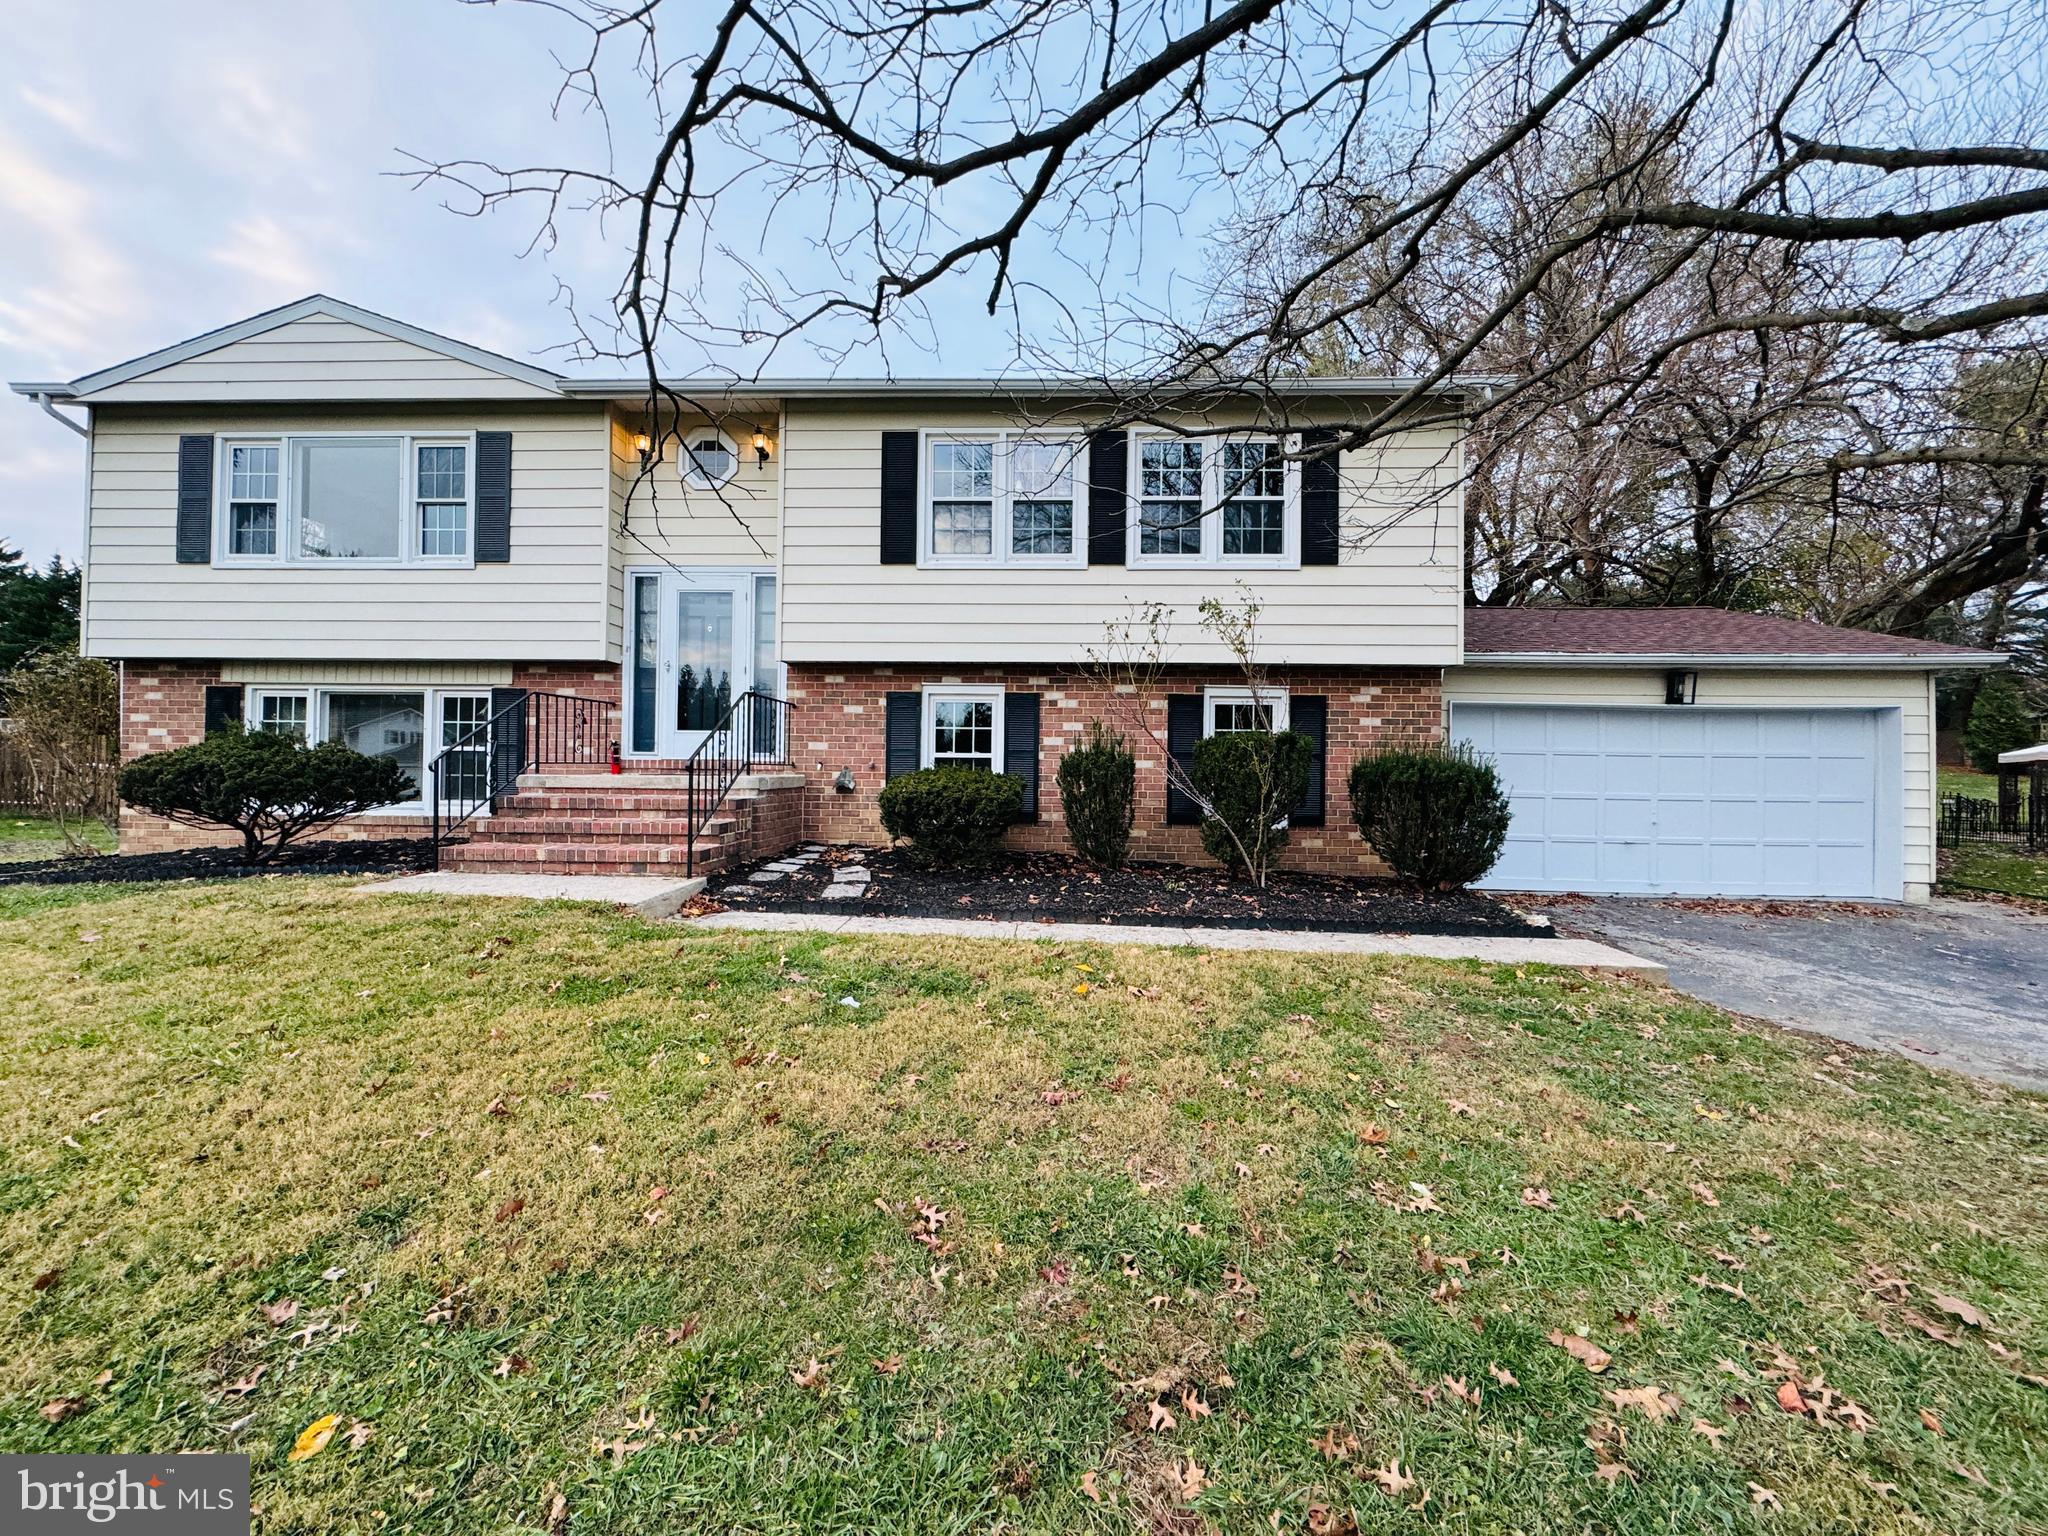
(853,876)
(836,892)
(786,866)
(765,876)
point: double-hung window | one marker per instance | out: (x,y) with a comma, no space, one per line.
(1243,709)
(1003,498)
(1222,500)
(963,728)
(334,498)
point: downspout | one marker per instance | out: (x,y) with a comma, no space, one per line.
(50,410)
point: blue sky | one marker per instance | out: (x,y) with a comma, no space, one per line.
(169,168)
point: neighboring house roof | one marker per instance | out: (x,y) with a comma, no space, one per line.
(1693,636)
(725,388)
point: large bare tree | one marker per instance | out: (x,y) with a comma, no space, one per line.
(1740,259)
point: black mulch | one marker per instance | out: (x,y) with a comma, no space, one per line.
(1055,888)
(377,856)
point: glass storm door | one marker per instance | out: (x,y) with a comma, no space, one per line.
(695,649)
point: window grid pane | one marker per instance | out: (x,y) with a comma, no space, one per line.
(252,528)
(963,733)
(1170,490)
(282,714)
(252,473)
(1254,480)
(1042,528)
(711,462)
(963,498)
(443,474)
(444,528)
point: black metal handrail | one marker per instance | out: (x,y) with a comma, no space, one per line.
(528,730)
(754,730)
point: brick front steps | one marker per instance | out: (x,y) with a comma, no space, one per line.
(628,824)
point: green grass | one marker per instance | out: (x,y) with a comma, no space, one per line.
(1978,868)
(1966,781)
(441,1129)
(25,837)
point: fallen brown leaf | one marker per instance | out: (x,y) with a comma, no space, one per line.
(1585,1351)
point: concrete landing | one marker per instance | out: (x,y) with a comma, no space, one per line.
(1578,954)
(649,895)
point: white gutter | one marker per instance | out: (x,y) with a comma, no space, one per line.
(1742,660)
(800,389)
(43,398)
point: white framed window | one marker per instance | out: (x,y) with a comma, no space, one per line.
(411,726)
(1002,498)
(281,712)
(1227,499)
(963,728)
(355,498)
(710,458)
(1243,709)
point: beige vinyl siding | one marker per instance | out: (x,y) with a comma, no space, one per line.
(547,603)
(1911,693)
(1394,600)
(369,674)
(660,521)
(319,358)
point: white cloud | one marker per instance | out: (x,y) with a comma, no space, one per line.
(73,119)
(260,248)
(83,290)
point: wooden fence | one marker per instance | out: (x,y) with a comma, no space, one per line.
(22,790)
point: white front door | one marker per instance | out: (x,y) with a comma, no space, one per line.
(701,637)
(1692,801)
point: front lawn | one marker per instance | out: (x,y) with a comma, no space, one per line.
(577,1222)
(1998,871)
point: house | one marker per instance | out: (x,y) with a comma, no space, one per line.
(326,522)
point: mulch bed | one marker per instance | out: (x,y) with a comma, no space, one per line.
(380,856)
(1054,888)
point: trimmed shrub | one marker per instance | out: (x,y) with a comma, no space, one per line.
(1436,815)
(268,787)
(952,816)
(1999,722)
(1098,795)
(1252,779)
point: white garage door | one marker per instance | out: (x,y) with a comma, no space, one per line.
(1686,801)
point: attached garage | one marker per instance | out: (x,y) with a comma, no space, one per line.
(1695,802)
(1694,752)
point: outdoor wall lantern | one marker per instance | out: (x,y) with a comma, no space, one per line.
(760,445)
(1681,687)
(642,445)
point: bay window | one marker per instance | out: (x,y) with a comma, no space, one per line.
(1002,498)
(1222,500)
(372,498)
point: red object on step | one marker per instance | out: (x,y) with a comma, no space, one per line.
(615,765)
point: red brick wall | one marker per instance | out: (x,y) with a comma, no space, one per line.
(163,705)
(837,722)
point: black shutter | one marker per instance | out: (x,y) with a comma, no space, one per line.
(1020,746)
(899,500)
(1183,730)
(508,740)
(902,720)
(195,499)
(493,498)
(1109,459)
(223,707)
(1319,502)
(1309,713)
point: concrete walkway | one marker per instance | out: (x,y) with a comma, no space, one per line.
(649,895)
(1581,954)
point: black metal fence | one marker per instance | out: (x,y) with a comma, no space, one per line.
(2016,819)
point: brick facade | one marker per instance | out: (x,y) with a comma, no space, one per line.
(837,723)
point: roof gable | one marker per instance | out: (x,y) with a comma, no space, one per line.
(316,348)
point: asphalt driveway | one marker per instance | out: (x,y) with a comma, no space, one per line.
(1961,984)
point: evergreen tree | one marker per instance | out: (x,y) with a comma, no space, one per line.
(38,608)
(2000,721)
